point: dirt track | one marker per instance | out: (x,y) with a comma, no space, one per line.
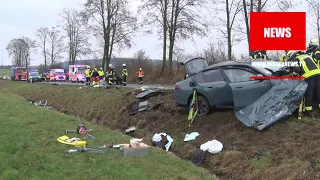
(288,150)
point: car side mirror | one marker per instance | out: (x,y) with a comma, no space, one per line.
(192,84)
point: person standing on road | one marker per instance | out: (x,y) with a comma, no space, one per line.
(88,76)
(140,76)
(110,74)
(310,70)
(95,76)
(124,74)
(101,73)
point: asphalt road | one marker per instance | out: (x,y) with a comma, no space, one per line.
(151,86)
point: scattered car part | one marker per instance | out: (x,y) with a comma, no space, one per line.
(130,130)
(279,102)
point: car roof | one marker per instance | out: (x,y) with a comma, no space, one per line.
(240,62)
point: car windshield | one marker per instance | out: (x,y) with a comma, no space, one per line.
(59,73)
(34,74)
(20,70)
(81,70)
(196,65)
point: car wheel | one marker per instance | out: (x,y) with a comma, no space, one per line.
(204,107)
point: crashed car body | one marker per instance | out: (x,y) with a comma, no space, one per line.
(258,103)
(222,85)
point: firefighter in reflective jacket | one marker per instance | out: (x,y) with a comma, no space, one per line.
(111,74)
(88,76)
(140,76)
(124,74)
(256,55)
(313,50)
(101,73)
(264,55)
(310,70)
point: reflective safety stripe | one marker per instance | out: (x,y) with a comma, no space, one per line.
(282,58)
(308,108)
(140,73)
(88,73)
(101,73)
(309,66)
(124,72)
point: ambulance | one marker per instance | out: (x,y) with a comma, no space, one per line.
(57,75)
(77,73)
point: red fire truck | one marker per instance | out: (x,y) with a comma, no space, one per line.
(19,74)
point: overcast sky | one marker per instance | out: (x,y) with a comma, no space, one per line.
(23,17)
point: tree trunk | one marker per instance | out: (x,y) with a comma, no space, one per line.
(45,56)
(247,20)
(229,31)
(259,6)
(165,30)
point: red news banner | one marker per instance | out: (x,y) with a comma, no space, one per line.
(277,31)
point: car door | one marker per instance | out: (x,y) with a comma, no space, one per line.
(245,90)
(216,87)
(194,66)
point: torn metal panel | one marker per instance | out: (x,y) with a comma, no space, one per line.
(279,102)
(148,93)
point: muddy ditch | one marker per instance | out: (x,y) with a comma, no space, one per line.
(288,150)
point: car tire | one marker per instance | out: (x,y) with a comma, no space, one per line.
(204,107)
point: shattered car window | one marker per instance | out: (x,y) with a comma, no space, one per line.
(238,75)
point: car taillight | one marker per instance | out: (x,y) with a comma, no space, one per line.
(177,87)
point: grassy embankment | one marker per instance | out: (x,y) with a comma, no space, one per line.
(5,72)
(288,150)
(29,149)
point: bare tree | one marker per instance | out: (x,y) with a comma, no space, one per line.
(56,45)
(260,6)
(314,7)
(77,32)
(156,14)
(216,52)
(42,37)
(113,22)
(230,10)
(178,19)
(20,50)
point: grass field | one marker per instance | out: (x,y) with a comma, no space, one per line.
(29,149)
(5,72)
(288,150)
